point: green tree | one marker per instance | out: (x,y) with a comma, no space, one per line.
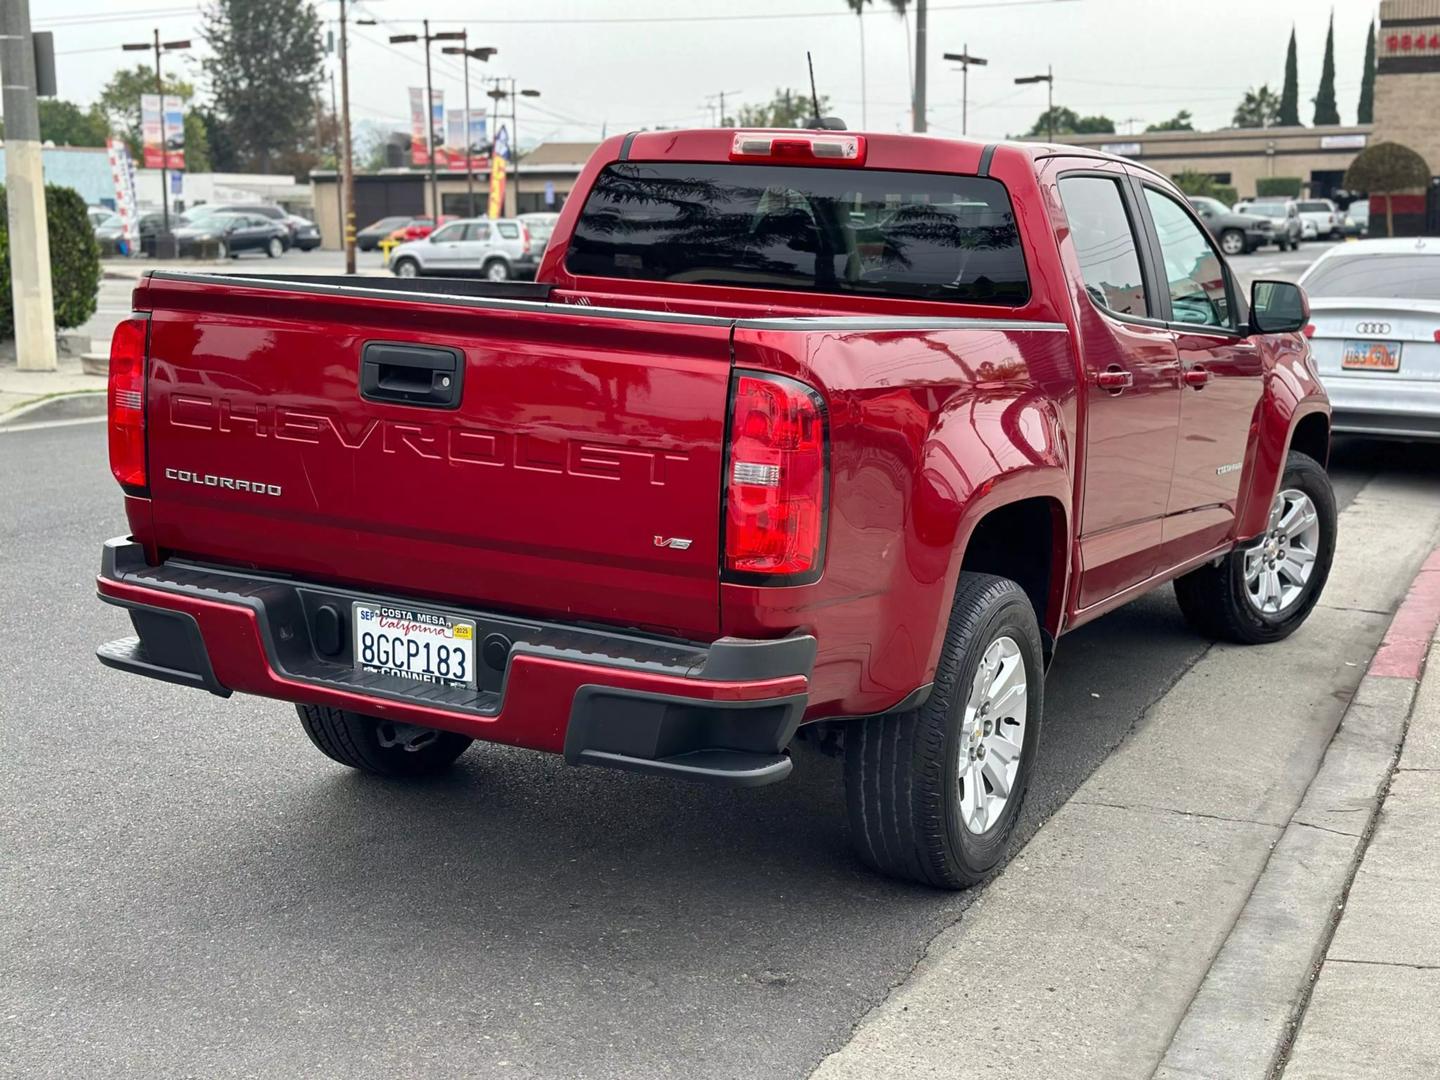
(74,260)
(788,108)
(1365,113)
(120,100)
(197,143)
(1259,108)
(1063,121)
(1181,121)
(1290,91)
(264,69)
(1387,168)
(65,124)
(223,155)
(1325,110)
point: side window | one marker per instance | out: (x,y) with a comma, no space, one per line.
(479,230)
(1104,243)
(449,234)
(1193,270)
(509,231)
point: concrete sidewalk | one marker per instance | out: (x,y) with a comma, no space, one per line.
(22,393)
(1375,1005)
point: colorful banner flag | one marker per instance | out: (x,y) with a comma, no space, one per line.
(497,186)
(455,139)
(419,147)
(162,131)
(122,174)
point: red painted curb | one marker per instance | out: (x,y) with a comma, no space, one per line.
(1402,654)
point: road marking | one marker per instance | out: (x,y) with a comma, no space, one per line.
(1267,269)
(41,425)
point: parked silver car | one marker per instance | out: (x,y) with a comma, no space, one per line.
(498,249)
(1374,310)
(1285,214)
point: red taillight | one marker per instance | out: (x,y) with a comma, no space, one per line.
(1309,330)
(1437,337)
(775,490)
(524,240)
(127,403)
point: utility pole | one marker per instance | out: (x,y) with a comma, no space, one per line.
(864,96)
(159,47)
(919,118)
(427,37)
(710,103)
(25,185)
(335,119)
(483,55)
(965,60)
(347,167)
(1049,80)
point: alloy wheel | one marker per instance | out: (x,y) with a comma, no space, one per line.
(1279,564)
(992,735)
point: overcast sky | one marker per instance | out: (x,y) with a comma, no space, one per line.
(624,64)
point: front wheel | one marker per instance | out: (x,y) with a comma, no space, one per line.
(274,248)
(934,793)
(497,270)
(381,747)
(407,268)
(1263,590)
(1232,242)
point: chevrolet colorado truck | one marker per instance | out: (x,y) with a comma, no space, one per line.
(799,435)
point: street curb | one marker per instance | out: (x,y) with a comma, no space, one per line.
(1242,1019)
(69,405)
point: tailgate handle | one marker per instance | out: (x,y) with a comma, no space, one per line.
(429,376)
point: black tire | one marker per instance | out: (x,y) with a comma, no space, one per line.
(378,746)
(1215,600)
(902,771)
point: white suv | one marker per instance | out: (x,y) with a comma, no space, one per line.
(498,249)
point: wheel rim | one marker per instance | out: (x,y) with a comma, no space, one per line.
(405,269)
(497,272)
(276,248)
(1231,244)
(1279,564)
(992,735)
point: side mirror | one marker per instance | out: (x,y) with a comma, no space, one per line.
(1278,307)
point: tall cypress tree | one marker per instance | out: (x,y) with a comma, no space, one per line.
(1290,92)
(1325,110)
(1365,114)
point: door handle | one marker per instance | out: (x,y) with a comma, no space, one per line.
(1115,379)
(1196,376)
(424,375)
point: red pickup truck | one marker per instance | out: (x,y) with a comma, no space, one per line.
(799,435)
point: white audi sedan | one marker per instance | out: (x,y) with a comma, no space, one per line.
(1375,334)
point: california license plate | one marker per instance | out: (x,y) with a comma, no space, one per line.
(408,643)
(1371,356)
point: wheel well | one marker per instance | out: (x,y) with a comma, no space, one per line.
(1022,541)
(1312,437)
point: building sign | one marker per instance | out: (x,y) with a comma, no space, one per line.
(1405,49)
(1342,142)
(162,131)
(1123,149)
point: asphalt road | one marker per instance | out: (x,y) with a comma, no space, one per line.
(189,888)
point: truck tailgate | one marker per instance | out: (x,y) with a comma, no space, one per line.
(578,472)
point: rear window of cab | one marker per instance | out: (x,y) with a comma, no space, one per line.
(863,232)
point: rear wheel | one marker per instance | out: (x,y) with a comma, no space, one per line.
(497,270)
(381,747)
(934,793)
(1264,590)
(1232,242)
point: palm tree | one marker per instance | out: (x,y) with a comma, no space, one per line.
(858,6)
(1258,108)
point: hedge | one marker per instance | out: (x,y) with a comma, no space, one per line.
(1269,187)
(74,260)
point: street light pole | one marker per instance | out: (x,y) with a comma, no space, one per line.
(347,167)
(965,60)
(427,37)
(1049,80)
(159,47)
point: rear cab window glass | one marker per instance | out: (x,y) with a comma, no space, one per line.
(1104,243)
(866,232)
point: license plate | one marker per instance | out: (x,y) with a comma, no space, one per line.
(1371,356)
(420,646)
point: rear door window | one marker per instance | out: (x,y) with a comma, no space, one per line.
(853,231)
(1105,245)
(508,230)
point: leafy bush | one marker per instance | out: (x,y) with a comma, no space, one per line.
(74,260)
(1198,184)
(1283,187)
(1229,194)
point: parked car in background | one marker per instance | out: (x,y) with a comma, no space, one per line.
(98,215)
(1357,218)
(1322,215)
(1237,234)
(304,233)
(1374,333)
(498,249)
(541,225)
(1284,215)
(258,209)
(368,238)
(229,234)
(421,227)
(109,232)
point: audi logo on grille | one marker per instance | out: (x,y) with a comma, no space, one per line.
(1372,328)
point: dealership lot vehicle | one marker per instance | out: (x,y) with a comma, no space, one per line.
(1284,216)
(498,249)
(368,238)
(540,227)
(739,469)
(1322,215)
(1375,334)
(304,233)
(1237,234)
(229,234)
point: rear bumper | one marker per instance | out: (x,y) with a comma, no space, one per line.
(1384,405)
(723,712)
